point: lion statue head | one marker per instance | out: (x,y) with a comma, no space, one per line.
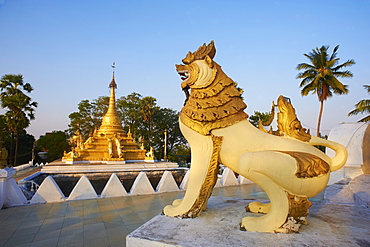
(214,100)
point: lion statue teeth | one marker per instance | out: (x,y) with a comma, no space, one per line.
(286,166)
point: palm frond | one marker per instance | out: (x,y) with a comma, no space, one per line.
(336,86)
(306,80)
(27,87)
(334,54)
(361,107)
(307,73)
(305,66)
(308,88)
(343,74)
(310,56)
(365,119)
(343,65)
(331,63)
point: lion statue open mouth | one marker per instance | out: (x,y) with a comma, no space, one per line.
(286,166)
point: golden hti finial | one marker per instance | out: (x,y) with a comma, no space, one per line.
(113,82)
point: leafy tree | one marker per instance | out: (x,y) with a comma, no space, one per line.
(166,119)
(127,108)
(82,120)
(20,107)
(264,116)
(133,109)
(77,122)
(5,134)
(100,107)
(147,109)
(5,138)
(363,106)
(26,142)
(320,77)
(89,116)
(55,144)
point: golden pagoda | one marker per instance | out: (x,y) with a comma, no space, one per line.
(110,144)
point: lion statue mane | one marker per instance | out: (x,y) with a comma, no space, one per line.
(285,165)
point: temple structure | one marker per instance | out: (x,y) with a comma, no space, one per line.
(110,144)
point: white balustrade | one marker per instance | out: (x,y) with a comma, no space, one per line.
(49,191)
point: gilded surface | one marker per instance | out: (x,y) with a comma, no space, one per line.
(269,122)
(308,165)
(210,181)
(214,101)
(288,121)
(205,128)
(201,53)
(298,206)
(272,115)
(276,163)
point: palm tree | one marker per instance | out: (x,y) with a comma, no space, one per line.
(20,107)
(320,77)
(363,106)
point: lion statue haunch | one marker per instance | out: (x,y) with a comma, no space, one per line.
(288,168)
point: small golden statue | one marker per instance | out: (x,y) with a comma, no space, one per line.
(150,154)
(286,166)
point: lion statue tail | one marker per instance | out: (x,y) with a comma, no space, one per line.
(341,153)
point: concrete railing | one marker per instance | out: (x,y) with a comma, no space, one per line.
(10,193)
(25,166)
(49,191)
(22,167)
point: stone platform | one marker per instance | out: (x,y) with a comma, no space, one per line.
(62,167)
(329,224)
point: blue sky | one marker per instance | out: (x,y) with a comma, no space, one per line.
(65,50)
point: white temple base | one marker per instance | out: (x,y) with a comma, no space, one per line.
(328,225)
(91,167)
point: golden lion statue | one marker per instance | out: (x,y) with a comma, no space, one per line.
(286,166)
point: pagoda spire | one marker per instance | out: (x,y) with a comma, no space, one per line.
(111,122)
(109,144)
(113,82)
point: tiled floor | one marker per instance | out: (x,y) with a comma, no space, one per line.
(97,222)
